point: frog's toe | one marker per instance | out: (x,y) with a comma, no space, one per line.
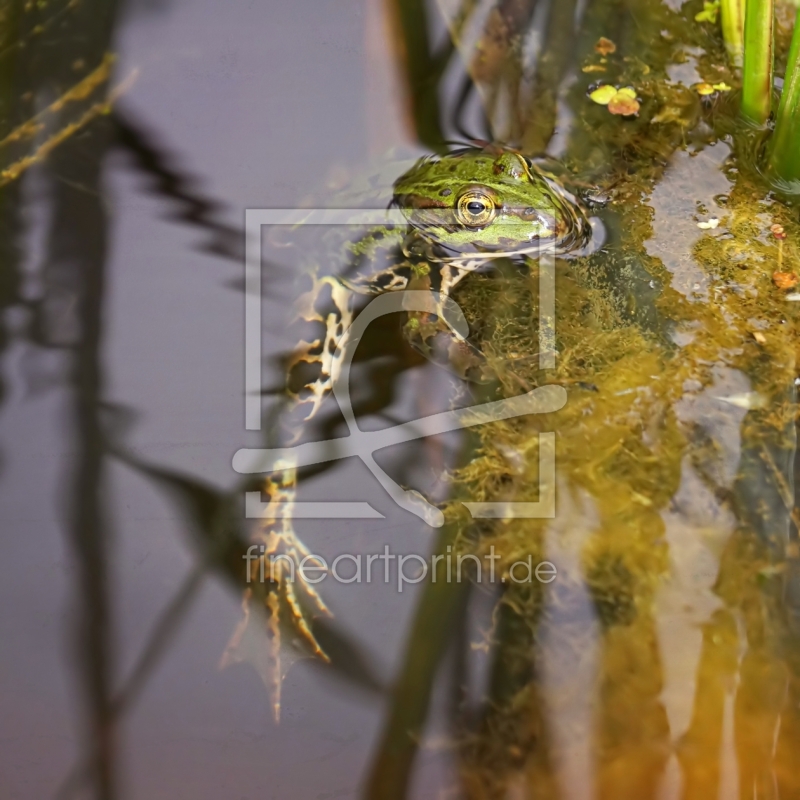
(596,239)
(300,623)
(276,626)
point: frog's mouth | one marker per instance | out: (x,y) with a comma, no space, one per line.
(431,218)
(427,209)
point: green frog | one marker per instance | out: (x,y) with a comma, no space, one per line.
(473,205)
(463,210)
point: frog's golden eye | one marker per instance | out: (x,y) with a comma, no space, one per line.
(475,209)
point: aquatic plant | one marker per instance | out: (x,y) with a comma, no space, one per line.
(751,45)
(784,149)
(749,33)
(759,60)
(732,17)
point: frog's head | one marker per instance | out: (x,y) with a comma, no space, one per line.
(491,201)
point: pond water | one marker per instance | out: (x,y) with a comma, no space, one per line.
(659,658)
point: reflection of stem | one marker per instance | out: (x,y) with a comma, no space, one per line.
(78,246)
(421,68)
(513,706)
(494,59)
(145,146)
(784,492)
(160,638)
(435,625)
(699,749)
(76,264)
(430,636)
(553,61)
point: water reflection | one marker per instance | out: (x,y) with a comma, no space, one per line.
(663,661)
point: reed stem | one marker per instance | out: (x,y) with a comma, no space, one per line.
(732,14)
(759,61)
(784,149)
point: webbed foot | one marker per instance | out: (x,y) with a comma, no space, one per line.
(280,603)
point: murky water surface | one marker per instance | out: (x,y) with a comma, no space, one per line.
(653,654)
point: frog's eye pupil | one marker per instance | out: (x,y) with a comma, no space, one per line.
(475,209)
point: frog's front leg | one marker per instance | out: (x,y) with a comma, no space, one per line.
(430,335)
(325,353)
(278,600)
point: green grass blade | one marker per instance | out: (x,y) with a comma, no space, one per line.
(758,60)
(784,154)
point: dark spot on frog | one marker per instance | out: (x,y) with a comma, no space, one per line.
(446,192)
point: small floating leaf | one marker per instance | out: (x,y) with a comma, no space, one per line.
(623,104)
(704,89)
(784,280)
(603,94)
(619,101)
(605,46)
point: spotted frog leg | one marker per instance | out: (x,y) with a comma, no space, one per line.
(279,599)
(277,587)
